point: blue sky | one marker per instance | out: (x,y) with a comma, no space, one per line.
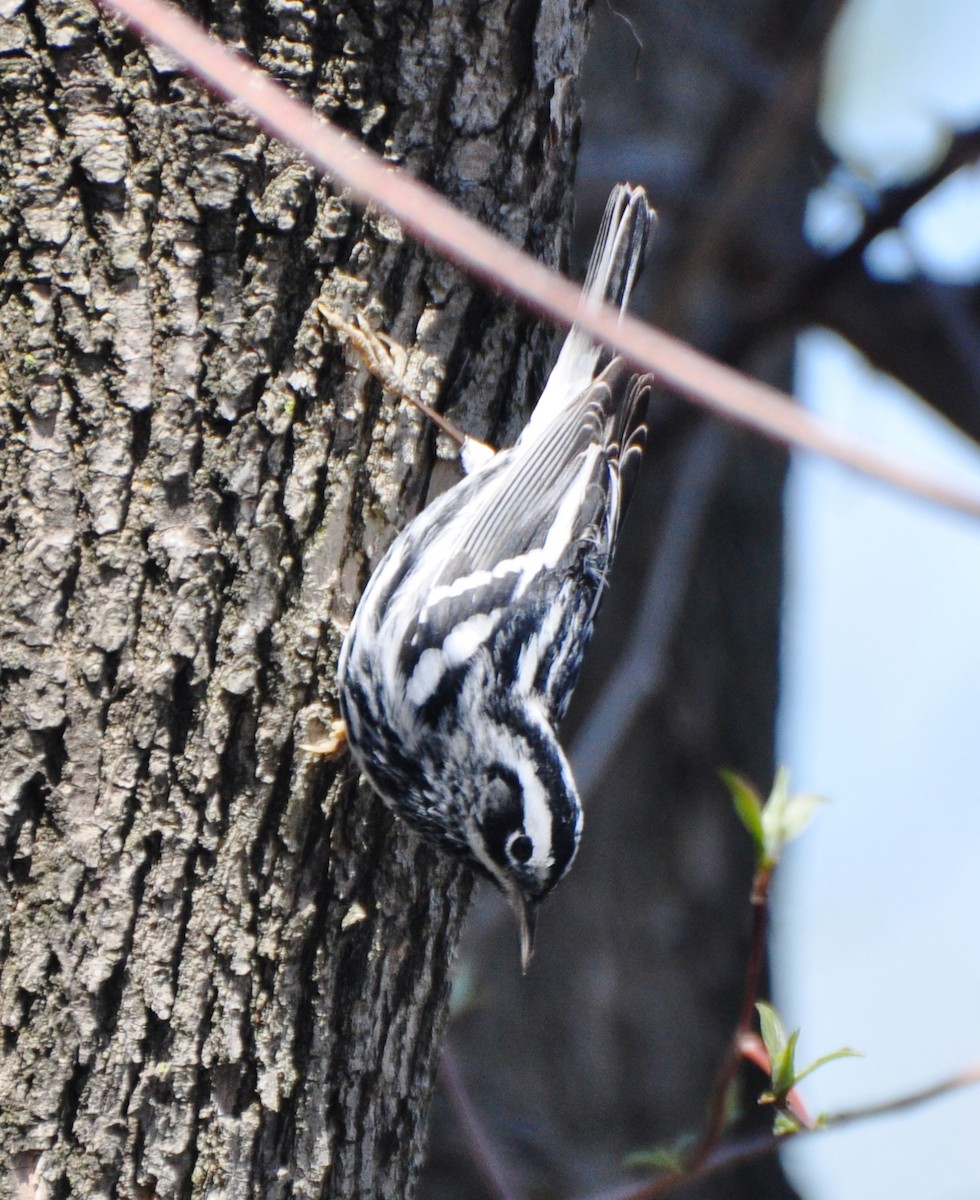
(879,903)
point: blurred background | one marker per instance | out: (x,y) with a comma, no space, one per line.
(815,169)
(881,687)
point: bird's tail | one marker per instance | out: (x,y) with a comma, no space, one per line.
(615,265)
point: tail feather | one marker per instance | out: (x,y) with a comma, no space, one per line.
(627,398)
(634,437)
(620,246)
(614,267)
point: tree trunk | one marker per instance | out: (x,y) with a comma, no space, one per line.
(222,966)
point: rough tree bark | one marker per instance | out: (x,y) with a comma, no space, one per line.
(223,969)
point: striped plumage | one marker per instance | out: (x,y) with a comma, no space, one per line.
(464,650)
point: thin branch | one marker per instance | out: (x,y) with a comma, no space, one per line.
(434,221)
(742,1150)
(894,204)
(485,1152)
(884,1108)
(955,319)
(702,1160)
(887,211)
(717,1108)
(722,1159)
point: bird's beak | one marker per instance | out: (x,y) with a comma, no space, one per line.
(526,911)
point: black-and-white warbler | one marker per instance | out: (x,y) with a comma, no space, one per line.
(463,652)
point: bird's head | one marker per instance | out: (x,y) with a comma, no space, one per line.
(525,819)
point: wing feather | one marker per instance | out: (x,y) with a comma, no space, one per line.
(507,568)
(540,533)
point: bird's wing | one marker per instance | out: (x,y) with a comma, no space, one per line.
(525,544)
(553,489)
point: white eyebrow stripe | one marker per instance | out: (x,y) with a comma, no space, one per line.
(537,815)
(513,751)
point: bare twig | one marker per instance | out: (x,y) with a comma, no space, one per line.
(740,1150)
(702,1160)
(434,221)
(723,1158)
(893,204)
(750,993)
(883,1108)
(947,304)
(485,1153)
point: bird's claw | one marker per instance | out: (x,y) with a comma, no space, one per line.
(333,743)
(387,360)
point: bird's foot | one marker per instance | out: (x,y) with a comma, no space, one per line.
(387,360)
(332,744)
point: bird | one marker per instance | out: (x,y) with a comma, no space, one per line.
(462,654)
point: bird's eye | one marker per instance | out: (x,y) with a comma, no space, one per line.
(520,848)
